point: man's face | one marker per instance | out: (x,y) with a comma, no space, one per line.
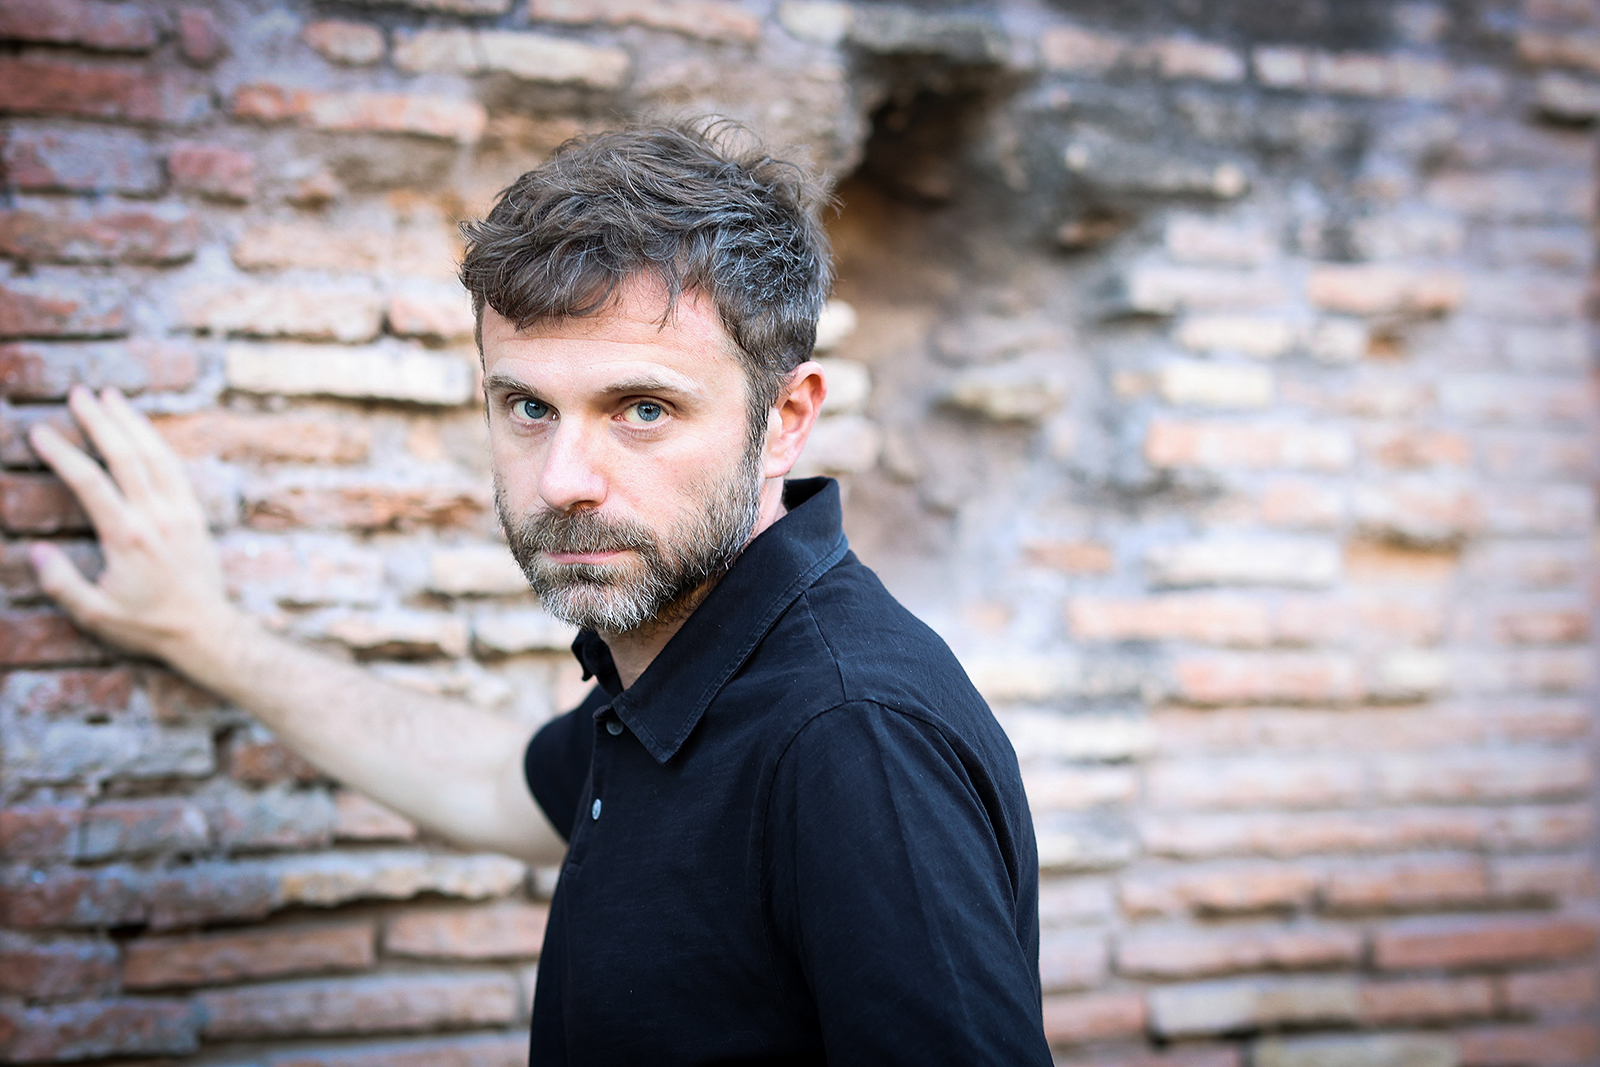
(625,479)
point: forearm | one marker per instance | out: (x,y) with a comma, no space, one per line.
(445,764)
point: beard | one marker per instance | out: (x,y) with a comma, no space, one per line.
(669,572)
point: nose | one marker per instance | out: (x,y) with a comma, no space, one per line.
(573,474)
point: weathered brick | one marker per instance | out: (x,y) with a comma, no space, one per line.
(1514,195)
(71,233)
(451,7)
(1278,781)
(391,874)
(44,639)
(1266,677)
(471,1050)
(200,36)
(1553,1045)
(1071,959)
(354,44)
(1162,289)
(1416,883)
(39,504)
(1208,618)
(1308,833)
(380,372)
(80,160)
(1253,560)
(1078,51)
(271,818)
(1557,248)
(301,570)
(40,831)
(714,20)
(474,570)
(94,24)
(1426,1000)
(1221,1006)
(503,930)
(1486,940)
(57,968)
(1365,1050)
(214,171)
(356,818)
(266,438)
(1070,556)
(1520,296)
(442,313)
(1545,47)
(36,86)
(1549,992)
(62,306)
(115,829)
(1226,889)
(509,633)
(1184,57)
(1419,510)
(1361,289)
(1212,445)
(1544,879)
(95,1028)
(412,1002)
(35,372)
(1498,774)
(1412,447)
(399,633)
(258,761)
(1081,1018)
(347,313)
(1302,504)
(234,956)
(1169,951)
(362,112)
(1258,336)
(365,503)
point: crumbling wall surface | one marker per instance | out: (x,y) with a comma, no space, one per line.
(1219,385)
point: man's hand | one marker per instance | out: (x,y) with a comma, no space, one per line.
(162,591)
(451,767)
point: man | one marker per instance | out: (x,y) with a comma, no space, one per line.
(790,830)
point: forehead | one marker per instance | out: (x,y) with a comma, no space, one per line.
(631,333)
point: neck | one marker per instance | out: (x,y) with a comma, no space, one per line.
(634,651)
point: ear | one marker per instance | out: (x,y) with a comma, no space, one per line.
(790,420)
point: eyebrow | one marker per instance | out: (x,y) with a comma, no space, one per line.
(501,383)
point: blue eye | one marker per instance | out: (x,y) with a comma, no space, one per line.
(533,409)
(648,411)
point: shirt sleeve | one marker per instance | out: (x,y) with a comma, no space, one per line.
(892,888)
(556,761)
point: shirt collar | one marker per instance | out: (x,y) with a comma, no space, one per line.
(668,700)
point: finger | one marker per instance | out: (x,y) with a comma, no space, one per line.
(161,462)
(69,588)
(111,439)
(87,479)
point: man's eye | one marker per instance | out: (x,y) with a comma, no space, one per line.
(646,411)
(533,409)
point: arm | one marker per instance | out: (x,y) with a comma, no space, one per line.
(448,766)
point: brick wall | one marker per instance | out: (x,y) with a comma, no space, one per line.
(1216,376)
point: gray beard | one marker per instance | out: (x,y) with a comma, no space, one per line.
(667,576)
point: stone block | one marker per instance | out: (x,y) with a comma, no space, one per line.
(1547,992)
(841,444)
(392,372)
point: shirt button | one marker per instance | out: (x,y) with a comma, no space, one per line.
(594,809)
(613,727)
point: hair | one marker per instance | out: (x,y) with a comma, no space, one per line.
(684,204)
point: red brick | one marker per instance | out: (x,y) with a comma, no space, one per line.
(1181,952)
(365,506)
(70,233)
(1564,989)
(31,371)
(35,86)
(1070,557)
(44,639)
(39,504)
(121,895)
(266,438)
(1080,1018)
(200,39)
(360,1005)
(1360,289)
(1221,445)
(271,952)
(1412,883)
(95,1028)
(1266,677)
(471,1050)
(1228,889)
(87,161)
(1557,1045)
(1218,619)
(18,582)
(427,116)
(57,968)
(503,930)
(61,694)
(106,27)
(62,307)
(270,818)
(40,831)
(1426,1000)
(214,171)
(1481,940)
(152,826)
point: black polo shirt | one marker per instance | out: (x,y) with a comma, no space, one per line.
(799,837)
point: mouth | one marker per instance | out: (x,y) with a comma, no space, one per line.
(568,558)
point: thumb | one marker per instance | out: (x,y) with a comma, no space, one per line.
(65,584)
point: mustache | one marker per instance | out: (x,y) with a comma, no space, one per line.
(581,531)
